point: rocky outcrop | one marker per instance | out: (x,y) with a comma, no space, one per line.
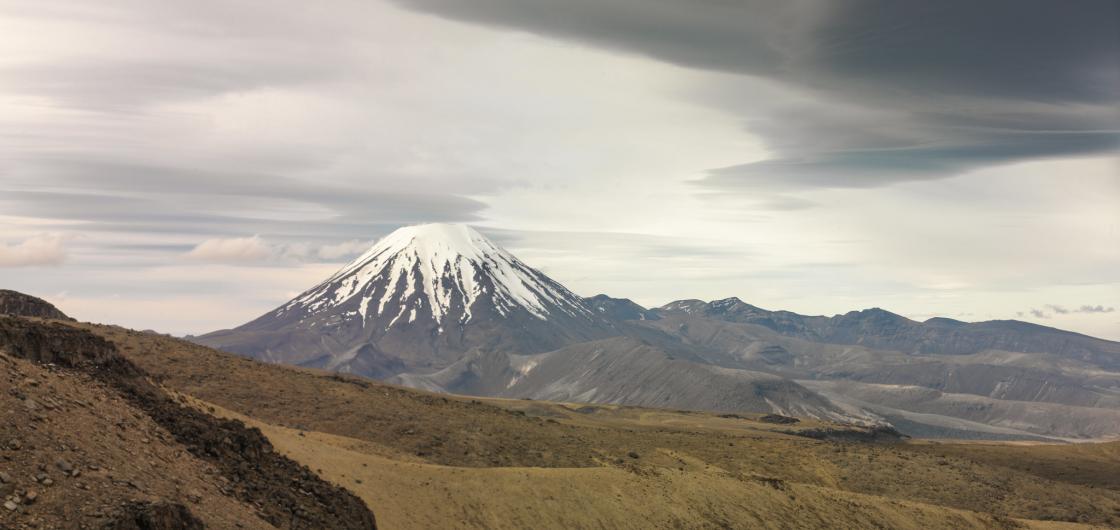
(23,305)
(154,516)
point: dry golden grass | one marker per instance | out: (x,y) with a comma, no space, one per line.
(413,494)
(431,461)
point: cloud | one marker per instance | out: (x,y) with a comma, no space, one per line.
(46,249)
(255,249)
(867,93)
(232,250)
(343,249)
(145,197)
(1054,309)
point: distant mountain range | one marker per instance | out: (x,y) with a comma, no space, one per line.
(443,308)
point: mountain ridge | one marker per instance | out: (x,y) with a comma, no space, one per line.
(442,308)
(884,329)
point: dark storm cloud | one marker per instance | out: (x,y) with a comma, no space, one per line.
(932,88)
(876,166)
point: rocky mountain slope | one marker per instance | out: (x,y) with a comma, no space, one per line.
(978,379)
(630,371)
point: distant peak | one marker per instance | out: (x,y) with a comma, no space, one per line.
(876,314)
(437,269)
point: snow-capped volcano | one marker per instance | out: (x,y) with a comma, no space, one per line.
(419,298)
(442,269)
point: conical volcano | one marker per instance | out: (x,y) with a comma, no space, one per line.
(420,298)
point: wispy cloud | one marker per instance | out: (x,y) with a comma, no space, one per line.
(1050,310)
(256,249)
(343,249)
(232,250)
(46,249)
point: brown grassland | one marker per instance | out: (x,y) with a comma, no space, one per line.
(423,460)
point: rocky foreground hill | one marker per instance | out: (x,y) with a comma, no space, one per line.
(16,303)
(107,427)
(90,441)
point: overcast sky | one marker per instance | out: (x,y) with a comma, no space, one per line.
(187,166)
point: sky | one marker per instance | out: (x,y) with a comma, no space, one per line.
(187,166)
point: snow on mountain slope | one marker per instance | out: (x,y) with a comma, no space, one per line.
(447,264)
(418,299)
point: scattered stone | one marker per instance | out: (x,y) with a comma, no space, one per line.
(75,473)
(15,445)
(632,454)
(40,477)
(47,482)
(5,478)
(11,506)
(64,466)
(30,497)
